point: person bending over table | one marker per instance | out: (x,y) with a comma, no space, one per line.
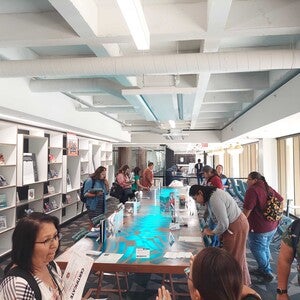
(232,225)
(35,242)
(212,179)
(214,274)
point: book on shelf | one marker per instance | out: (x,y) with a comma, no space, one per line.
(2,159)
(69,183)
(35,169)
(68,199)
(53,204)
(3,224)
(52,174)
(52,158)
(28,170)
(30,194)
(3,181)
(51,189)
(3,201)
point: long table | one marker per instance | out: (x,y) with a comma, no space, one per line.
(149,229)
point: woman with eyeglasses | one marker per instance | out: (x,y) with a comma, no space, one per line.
(231,224)
(32,271)
(214,274)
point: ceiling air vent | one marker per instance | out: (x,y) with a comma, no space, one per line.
(175,134)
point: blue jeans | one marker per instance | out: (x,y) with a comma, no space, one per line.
(199,179)
(215,242)
(259,244)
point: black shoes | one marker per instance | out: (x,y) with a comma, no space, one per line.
(265,277)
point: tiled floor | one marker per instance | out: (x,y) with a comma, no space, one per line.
(144,286)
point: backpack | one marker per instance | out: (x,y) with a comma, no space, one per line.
(18,272)
(82,198)
(273,210)
(295,236)
(116,190)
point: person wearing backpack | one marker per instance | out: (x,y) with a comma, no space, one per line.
(32,273)
(95,190)
(261,228)
(289,249)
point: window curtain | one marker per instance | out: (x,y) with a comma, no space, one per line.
(248,159)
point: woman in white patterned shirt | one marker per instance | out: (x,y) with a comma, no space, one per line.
(35,244)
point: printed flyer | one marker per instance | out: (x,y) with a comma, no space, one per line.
(76,274)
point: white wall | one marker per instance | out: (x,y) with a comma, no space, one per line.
(267,161)
(280,104)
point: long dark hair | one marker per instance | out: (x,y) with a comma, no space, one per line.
(217,275)
(136,170)
(206,191)
(258,176)
(24,237)
(96,174)
(123,169)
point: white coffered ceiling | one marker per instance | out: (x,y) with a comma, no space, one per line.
(209,61)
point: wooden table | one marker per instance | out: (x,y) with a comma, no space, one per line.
(148,229)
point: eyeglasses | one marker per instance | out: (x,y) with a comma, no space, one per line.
(49,241)
(187,272)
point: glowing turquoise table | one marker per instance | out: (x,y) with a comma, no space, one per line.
(148,229)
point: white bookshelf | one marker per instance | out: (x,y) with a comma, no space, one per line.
(8,169)
(52,201)
(72,167)
(106,154)
(52,166)
(94,156)
(84,158)
(37,145)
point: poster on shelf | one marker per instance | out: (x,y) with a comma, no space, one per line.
(3,201)
(3,224)
(28,170)
(72,144)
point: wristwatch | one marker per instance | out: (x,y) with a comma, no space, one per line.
(281,291)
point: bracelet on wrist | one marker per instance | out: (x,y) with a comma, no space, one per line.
(281,291)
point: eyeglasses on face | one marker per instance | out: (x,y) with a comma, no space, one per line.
(187,272)
(49,241)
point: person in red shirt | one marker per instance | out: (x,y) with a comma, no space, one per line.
(212,178)
(261,230)
(148,178)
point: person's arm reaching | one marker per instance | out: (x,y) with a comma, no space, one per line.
(285,259)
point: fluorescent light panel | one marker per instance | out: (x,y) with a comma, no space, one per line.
(134,16)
